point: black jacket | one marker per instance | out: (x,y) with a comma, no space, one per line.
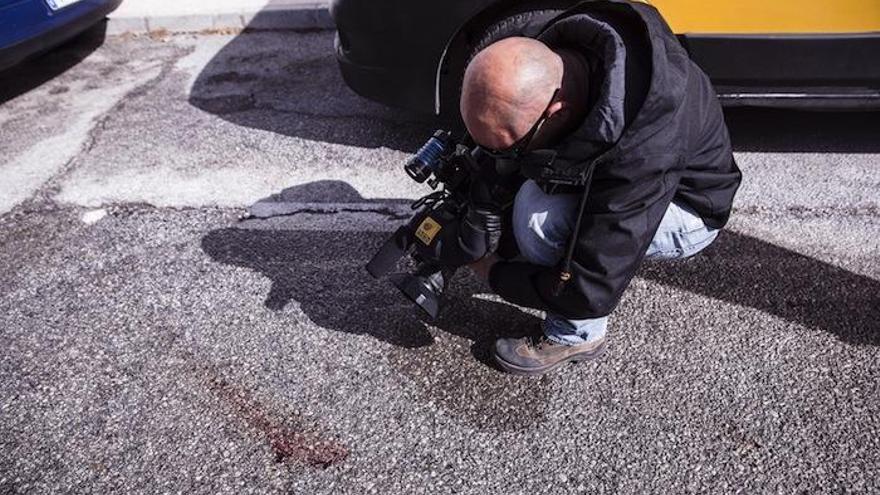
(654,134)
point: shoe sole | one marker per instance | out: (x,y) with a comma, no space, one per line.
(576,358)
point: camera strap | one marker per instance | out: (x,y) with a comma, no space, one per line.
(547,168)
(565,271)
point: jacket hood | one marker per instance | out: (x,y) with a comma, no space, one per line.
(605,124)
(606,54)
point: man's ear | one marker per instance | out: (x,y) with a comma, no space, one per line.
(556,107)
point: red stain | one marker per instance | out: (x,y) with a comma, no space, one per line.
(286,442)
(315,452)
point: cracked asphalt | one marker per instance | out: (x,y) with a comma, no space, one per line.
(151,341)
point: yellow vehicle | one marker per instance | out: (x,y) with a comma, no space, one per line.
(757,52)
(784,51)
(757,17)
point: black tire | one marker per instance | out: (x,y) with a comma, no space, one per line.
(514,25)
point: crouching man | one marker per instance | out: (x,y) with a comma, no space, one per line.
(607,97)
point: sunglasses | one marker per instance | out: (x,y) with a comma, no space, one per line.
(513,151)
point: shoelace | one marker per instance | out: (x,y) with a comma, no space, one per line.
(539,342)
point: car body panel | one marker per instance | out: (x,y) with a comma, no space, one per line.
(771,16)
(28,27)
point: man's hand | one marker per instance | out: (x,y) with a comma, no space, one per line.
(482,266)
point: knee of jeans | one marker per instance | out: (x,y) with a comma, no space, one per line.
(542,223)
(680,246)
(534,246)
(696,243)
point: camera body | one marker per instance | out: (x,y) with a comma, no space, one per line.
(453,226)
(462,222)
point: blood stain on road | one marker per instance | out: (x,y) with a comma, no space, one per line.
(287,443)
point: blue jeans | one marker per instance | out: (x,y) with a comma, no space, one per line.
(542,225)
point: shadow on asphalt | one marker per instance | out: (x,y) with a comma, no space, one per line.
(288,82)
(34,73)
(334,288)
(507,320)
(324,272)
(746,271)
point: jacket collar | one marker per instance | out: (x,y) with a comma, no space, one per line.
(604,129)
(604,50)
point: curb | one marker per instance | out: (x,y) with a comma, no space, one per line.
(273,17)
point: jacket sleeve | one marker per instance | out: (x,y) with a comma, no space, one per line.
(626,202)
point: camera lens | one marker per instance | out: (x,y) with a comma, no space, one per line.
(425,291)
(425,161)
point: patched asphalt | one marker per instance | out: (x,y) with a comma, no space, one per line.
(154,342)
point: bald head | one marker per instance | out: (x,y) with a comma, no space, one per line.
(506,88)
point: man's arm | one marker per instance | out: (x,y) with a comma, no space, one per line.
(624,208)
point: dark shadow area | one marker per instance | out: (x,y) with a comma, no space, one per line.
(327,191)
(746,271)
(405,327)
(287,81)
(327,196)
(777,130)
(324,272)
(35,72)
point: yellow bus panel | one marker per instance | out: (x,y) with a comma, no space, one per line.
(770,16)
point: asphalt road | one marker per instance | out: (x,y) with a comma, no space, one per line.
(152,342)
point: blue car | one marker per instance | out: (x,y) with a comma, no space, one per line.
(29,27)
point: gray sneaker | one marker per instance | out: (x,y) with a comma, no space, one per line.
(535,355)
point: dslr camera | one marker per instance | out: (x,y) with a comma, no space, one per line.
(456,224)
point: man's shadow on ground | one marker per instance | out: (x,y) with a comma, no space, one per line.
(324,272)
